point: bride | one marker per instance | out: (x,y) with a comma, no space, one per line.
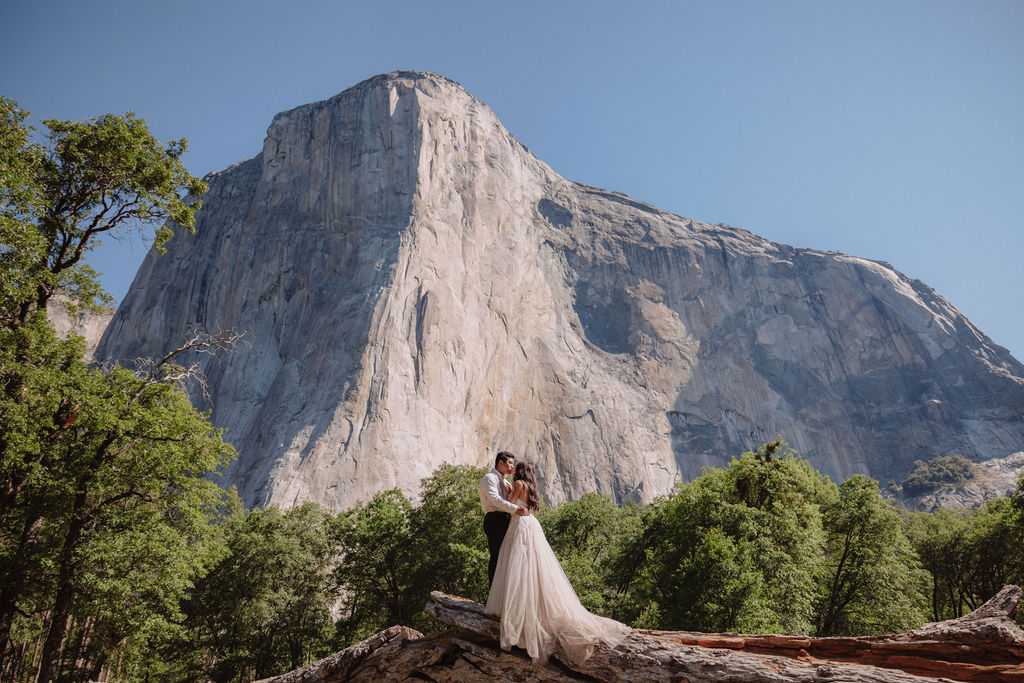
(538,607)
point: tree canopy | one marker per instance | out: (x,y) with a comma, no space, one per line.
(59,197)
(106,500)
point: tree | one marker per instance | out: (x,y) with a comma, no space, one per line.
(92,178)
(874,582)
(941,540)
(450,546)
(931,474)
(1017,501)
(737,548)
(376,572)
(105,500)
(394,554)
(20,198)
(699,571)
(113,517)
(265,606)
(998,548)
(788,495)
(970,554)
(57,199)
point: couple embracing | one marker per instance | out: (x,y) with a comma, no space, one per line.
(539,609)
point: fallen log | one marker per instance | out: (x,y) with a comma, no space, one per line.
(341,665)
(985,645)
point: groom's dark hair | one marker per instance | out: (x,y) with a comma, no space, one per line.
(502,457)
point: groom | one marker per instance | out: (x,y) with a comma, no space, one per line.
(494,493)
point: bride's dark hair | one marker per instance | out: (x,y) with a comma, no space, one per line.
(525,472)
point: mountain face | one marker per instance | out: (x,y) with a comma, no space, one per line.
(88,324)
(417,288)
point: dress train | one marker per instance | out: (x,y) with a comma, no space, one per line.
(540,612)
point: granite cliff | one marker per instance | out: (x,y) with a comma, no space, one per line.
(418,288)
(90,325)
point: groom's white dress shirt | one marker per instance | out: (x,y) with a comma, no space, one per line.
(492,494)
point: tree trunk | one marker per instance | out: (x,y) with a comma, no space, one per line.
(65,581)
(65,592)
(55,634)
(10,588)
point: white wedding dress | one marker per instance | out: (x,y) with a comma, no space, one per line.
(539,609)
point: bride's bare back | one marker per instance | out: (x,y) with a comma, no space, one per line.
(518,492)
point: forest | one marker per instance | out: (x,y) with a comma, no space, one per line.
(122,559)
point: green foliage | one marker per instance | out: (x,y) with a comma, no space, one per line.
(997,540)
(941,539)
(394,554)
(57,199)
(969,554)
(377,566)
(106,502)
(927,476)
(873,583)
(19,159)
(700,571)
(264,607)
(105,505)
(740,547)
(767,544)
(448,533)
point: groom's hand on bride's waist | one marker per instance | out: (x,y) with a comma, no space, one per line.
(522,511)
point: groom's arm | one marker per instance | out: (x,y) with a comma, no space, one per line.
(490,490)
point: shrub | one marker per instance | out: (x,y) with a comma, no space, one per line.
(929,475)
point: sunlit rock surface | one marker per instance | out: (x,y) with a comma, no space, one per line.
(88,324)
(418,288)
(991,479)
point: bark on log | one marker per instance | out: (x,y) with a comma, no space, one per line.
(340,666)
(985,645)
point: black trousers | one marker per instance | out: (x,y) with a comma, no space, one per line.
(495,526)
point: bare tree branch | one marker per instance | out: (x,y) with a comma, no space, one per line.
(165,370)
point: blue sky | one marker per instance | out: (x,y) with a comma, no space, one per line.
(889,130)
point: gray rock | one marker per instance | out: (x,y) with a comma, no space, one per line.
(90,325)
(994,478)
(418,288)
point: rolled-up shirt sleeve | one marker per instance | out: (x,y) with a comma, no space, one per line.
(490,496)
